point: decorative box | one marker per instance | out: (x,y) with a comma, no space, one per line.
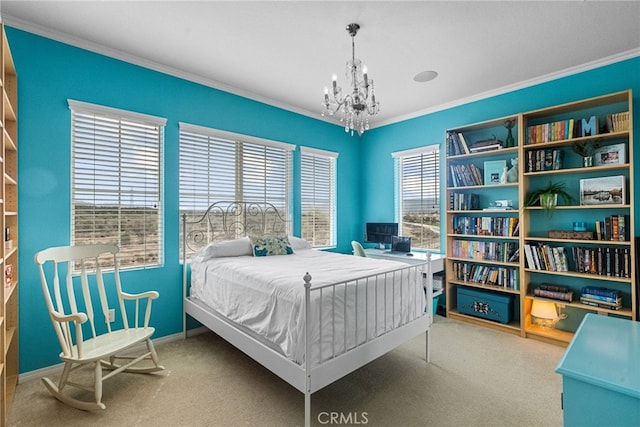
(562,234)
(485,304)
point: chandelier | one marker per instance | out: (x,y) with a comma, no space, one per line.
(354,107)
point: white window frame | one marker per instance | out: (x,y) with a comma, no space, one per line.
(400,158)
(326,182)
(132,177)
(198,150)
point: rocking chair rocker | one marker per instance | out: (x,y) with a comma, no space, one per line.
(106,343)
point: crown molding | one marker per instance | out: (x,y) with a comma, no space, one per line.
(142,62)
(623,56)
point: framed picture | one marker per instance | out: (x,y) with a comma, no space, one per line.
(615,154)
(493,171)
(607,190)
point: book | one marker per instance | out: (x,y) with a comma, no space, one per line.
(557,295)
(599,291)
(600,304)
(475,149)
(463,143)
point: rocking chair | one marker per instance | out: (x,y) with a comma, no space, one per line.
(111,331)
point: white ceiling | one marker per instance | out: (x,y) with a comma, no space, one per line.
(284,52)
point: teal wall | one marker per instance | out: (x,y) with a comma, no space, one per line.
(378,192)
(49,73)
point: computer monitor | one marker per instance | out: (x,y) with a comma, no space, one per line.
(401,244)
(380,232)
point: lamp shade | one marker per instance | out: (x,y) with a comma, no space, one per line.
(544,310)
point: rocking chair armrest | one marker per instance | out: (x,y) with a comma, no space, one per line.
(77,318)
(149,294)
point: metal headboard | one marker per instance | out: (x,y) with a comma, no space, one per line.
(227,220)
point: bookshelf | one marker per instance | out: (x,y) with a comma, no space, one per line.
(482,233)
(594,259)
(9,219)
(569,234)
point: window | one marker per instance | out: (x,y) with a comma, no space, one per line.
(318,196)
(222,166)
(116,181)
(418,196)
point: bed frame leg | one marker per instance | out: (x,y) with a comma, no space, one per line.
(307,409)
(428,347)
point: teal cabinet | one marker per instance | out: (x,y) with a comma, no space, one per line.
(601,373)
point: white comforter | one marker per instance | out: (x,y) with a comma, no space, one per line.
(266,295)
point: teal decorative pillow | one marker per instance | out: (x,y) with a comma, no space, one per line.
(270,245)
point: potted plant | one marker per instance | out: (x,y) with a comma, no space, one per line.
(586,148)
(547,197)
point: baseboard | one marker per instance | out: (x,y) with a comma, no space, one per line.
(55,369)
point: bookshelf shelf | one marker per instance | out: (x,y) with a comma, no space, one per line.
(613,129)
(624,312)
(483,236)
(485,286)
(511,327)
(603,168)
(580,241)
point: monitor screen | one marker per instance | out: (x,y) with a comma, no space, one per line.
(401,244)
(380,232)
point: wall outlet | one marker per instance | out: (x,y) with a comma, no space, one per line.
(112,315)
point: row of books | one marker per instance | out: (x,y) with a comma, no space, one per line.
(556,131)
(601,297)
(593,296)
(486,226)
(465,175)
(544,160)
(503,277)
(546,257)
(618,122)
(464,201)
(456,144)
(487,251)
(603,261)
(560,293)
(613,227)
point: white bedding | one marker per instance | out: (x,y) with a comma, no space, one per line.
(266,295)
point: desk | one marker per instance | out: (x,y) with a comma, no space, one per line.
(437,260)
(601,373)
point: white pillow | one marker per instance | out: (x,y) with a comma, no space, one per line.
(224,248)
(298,243)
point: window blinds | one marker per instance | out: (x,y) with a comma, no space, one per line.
(221,166)
(116,181)
(419,196)
(318,196)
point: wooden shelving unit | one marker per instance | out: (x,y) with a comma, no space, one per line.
(570,174)
(9,220)
(535,222)
(486,194)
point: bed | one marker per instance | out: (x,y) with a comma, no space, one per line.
(311,317)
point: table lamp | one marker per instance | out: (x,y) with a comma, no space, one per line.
(546,313)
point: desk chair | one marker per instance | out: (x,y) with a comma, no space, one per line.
(358,250)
